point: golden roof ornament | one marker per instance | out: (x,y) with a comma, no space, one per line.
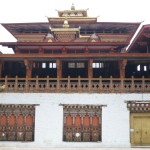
(72,7)
(72,13)
(49,36)
(94,36)
(65,25)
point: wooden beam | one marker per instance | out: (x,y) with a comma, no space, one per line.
(62,43)
(142,43)
(147,35)
(63,48)
(145,56)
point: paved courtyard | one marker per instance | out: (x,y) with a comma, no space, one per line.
(20,148)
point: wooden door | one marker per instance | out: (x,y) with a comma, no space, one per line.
(140,129)
(145,139)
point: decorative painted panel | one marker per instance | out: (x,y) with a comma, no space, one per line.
(82,123)
(17,122)
(138,106)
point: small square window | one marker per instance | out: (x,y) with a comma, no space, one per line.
(139,68)
(80,65)
(145,68)
(52,65)
(34,65)
(43,65)
(101,65)
(98,65)
(93,65)
(71,65)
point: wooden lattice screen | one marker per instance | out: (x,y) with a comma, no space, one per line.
(17,122)
(82,123)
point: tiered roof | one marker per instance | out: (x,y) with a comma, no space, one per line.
(72,27)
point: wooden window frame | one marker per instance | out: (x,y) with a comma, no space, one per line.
(76,65)
(52,65)
(98,65)
(19,122)
(78,130)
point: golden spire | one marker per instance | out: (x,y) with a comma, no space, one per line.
(72,7)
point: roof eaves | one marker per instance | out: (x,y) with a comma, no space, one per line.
(137,35)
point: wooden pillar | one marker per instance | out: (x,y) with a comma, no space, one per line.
(10,69)
(122,66)
(64,50)
(41,51)
(1,68)
(59,68)
(86,50)
(28,65)
(17,51)
(112,49)
(90,69)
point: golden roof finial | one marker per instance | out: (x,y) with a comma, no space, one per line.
(66,25)
(72,7)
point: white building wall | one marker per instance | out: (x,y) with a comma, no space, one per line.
(49,118)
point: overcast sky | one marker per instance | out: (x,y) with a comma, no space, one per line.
(21,11)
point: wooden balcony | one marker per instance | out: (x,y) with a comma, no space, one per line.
(75,85)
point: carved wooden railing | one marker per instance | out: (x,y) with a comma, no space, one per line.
(75,85)
(82,133)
